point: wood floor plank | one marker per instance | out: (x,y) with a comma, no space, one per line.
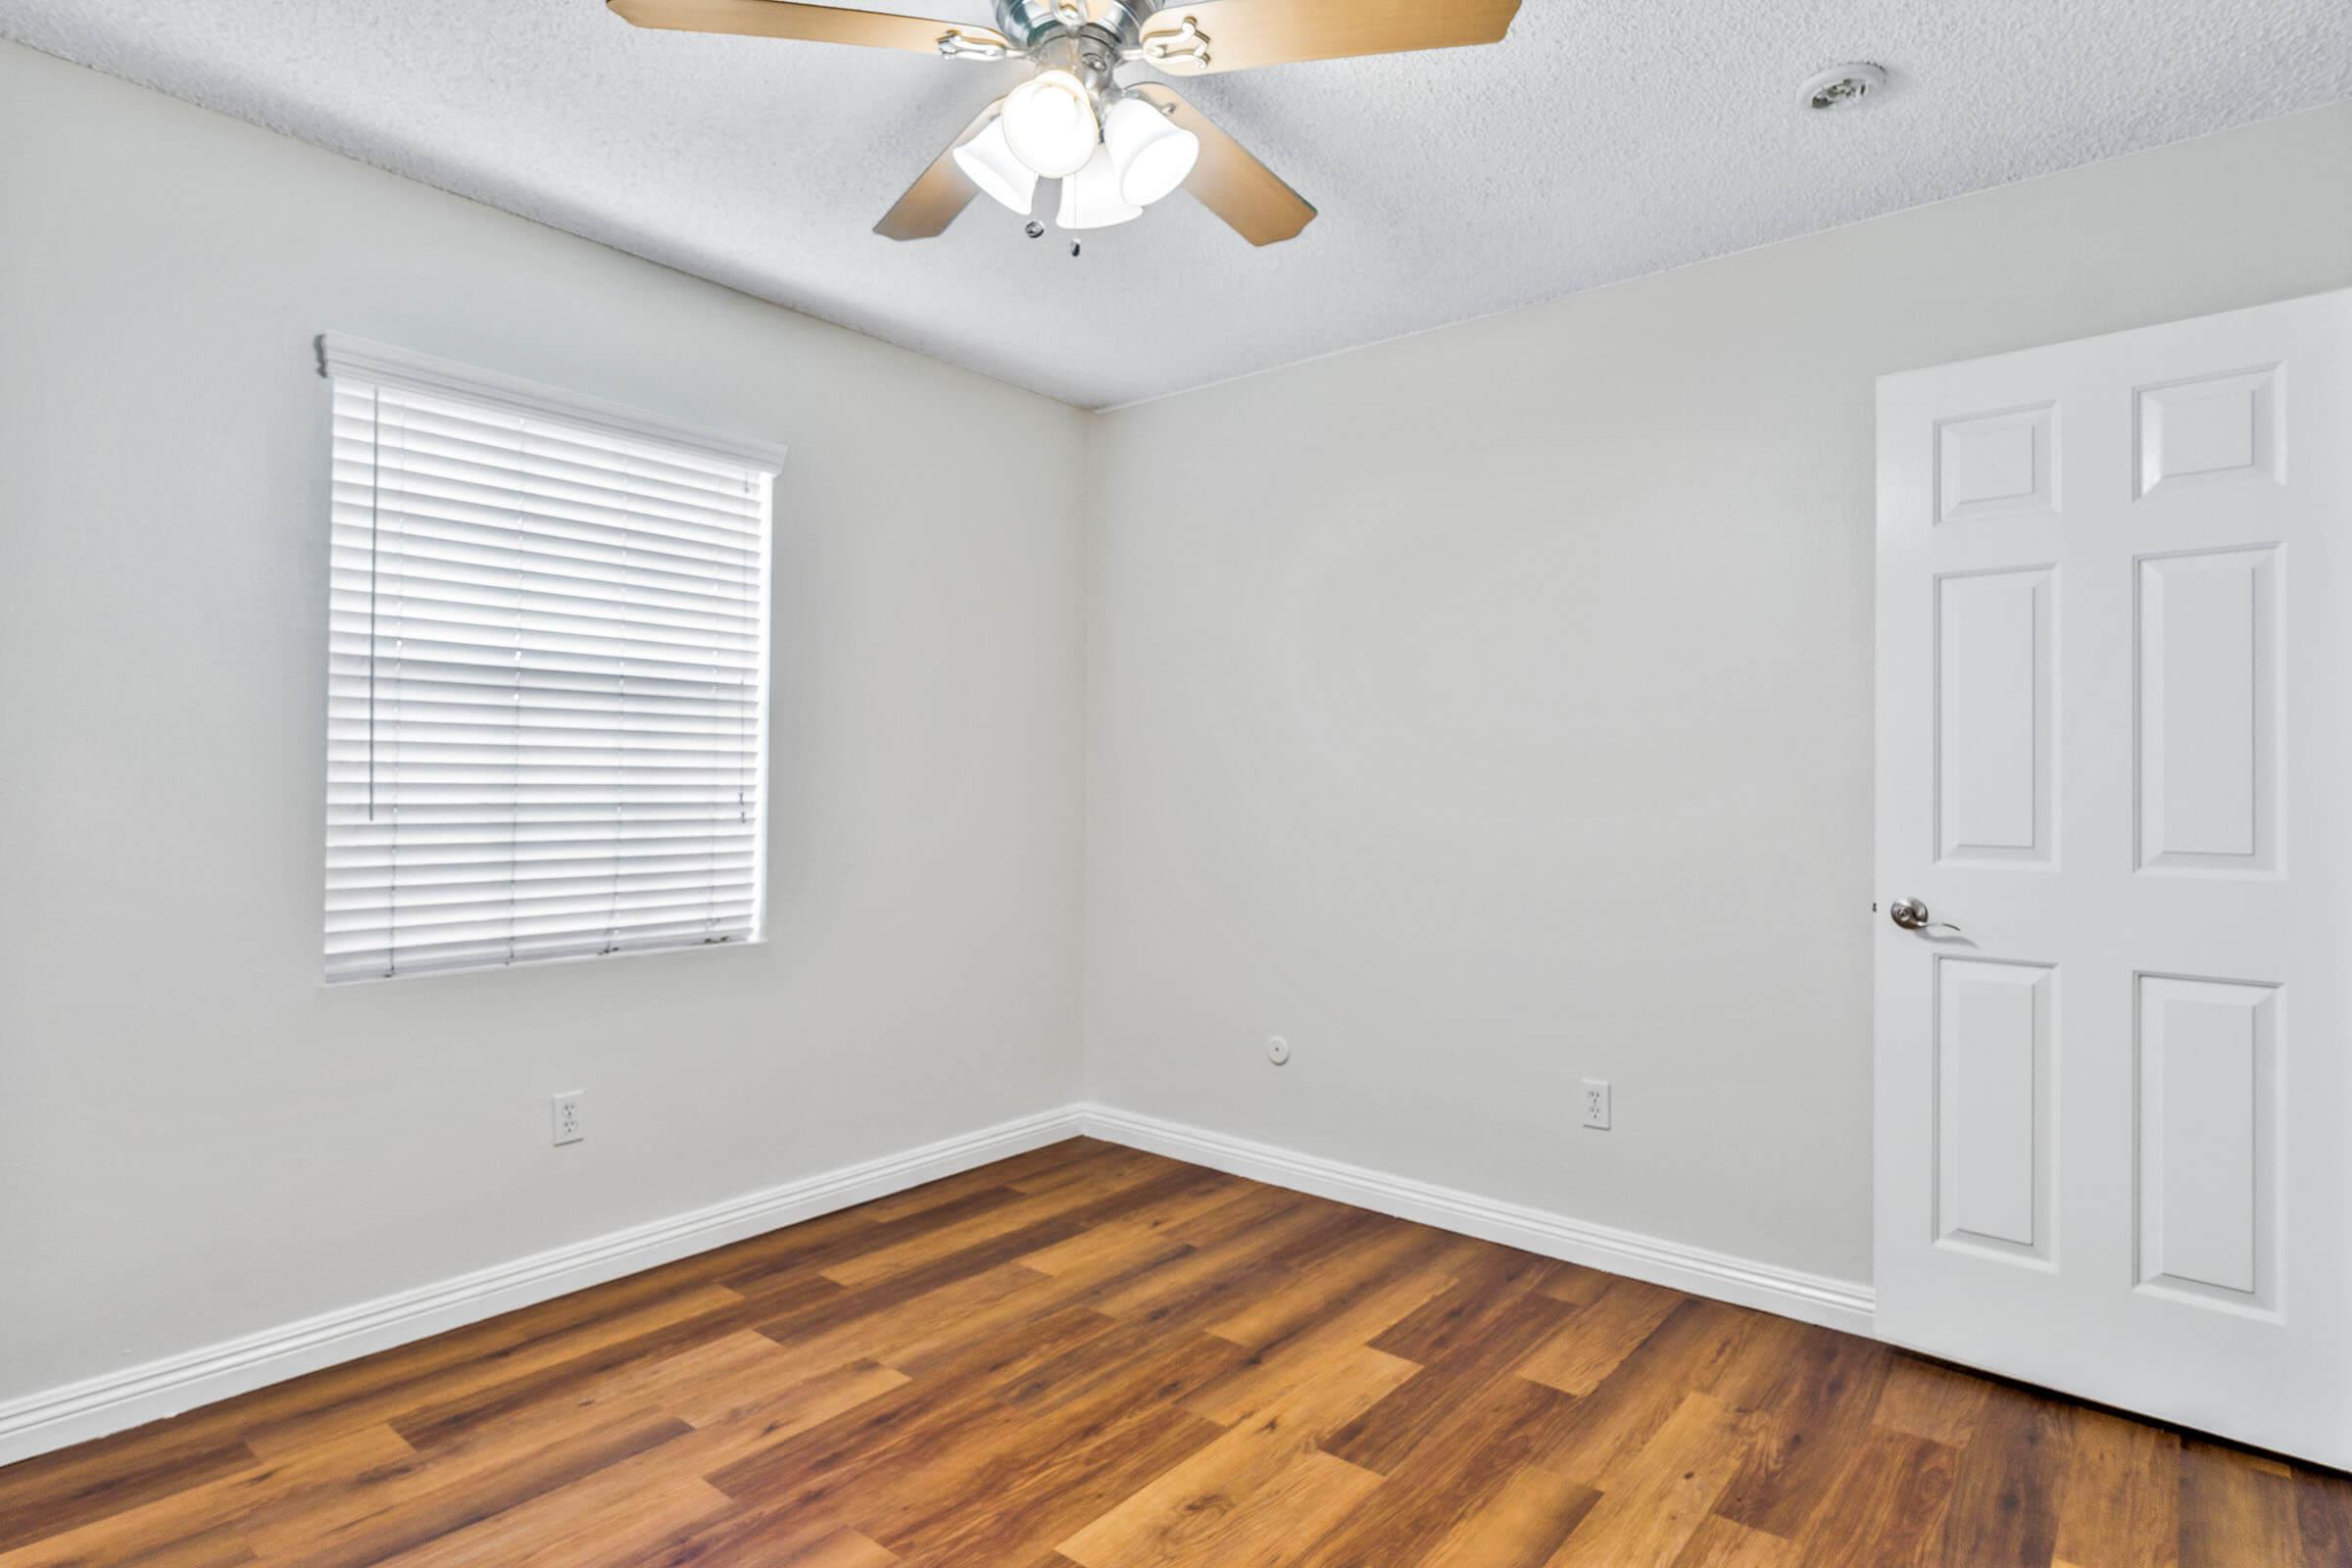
(1150,1230)
(1091,1357)
(1702,1347)
(1299,1301)
(2235,1510)
(1530,1514)
(1600,1335)
(843,1548)
(1648,1521)
(1254,1529)
(1464,1460)
(772,1535)
(1814,1418)
(759,1418)
(968,1477)
(886,1322)
(393,1401)
(1889,1507)
(1257,1207)
(394,1519)
(1457,1376)
(202,1551)
(1305,1348)
(1121,1168)
(2006,1495)
(1721,1543)
(605,1520)
(1494,1284)
(216,1518)
(871,1456)
(1173,1516)
(605,1365)
(1196,1290)
(1032,1210)
(799,1250)
(59,1491)
(1181,1362)
(1930,1400)
(1044,1485)
(2324,1513)
(2123,1486)
(1575,1283)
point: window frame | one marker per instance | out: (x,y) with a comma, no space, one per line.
(343,357)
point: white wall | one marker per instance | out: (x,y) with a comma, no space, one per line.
(1492,709)
(1481,711)
(197,1138)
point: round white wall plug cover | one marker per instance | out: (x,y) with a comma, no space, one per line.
(1278,1050)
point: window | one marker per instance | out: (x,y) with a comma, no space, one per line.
(546,673)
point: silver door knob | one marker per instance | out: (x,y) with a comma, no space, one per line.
(1912,915)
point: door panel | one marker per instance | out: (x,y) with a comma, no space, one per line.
(2208,1119)
(1995,724)
(2208,695)
(1993,1103)
(2218,428)
(1989,464)
(2112,1105)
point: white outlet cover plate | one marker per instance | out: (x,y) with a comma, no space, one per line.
(1278,1050)
(1596,1103)
(563,1128)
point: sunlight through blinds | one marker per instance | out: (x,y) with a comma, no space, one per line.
(547,683)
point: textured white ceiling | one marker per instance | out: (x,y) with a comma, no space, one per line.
(1596,142)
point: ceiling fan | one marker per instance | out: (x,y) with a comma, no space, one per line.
(1115,149)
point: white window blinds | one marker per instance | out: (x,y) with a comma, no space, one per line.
(547,675)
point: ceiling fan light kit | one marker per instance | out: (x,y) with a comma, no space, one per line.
(1152,155)
(1090,199)
(1116,148)
(1051,123)
(988,162)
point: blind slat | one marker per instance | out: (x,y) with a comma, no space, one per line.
(490,416)
(499,456)
(547,665)
(354,531)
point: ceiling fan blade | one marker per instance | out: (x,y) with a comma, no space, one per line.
(1230,183)
(939,194)
(1237,34)
(788,19)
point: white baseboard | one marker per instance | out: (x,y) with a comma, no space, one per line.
(56,1418)
(1807,1297)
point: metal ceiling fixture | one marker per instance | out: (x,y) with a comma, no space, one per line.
(1842,86)
(1116,149)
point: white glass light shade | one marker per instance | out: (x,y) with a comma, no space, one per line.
(1089,198)
(1049,122)
(1150,153)
(987,159)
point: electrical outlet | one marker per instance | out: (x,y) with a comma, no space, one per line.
(1596,1104)
(567,1125)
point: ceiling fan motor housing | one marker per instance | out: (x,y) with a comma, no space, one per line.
(1086,53)
(1114,25)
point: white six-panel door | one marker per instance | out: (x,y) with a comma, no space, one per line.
(2113,1106)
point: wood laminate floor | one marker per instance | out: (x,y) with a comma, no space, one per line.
(1089,1357)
